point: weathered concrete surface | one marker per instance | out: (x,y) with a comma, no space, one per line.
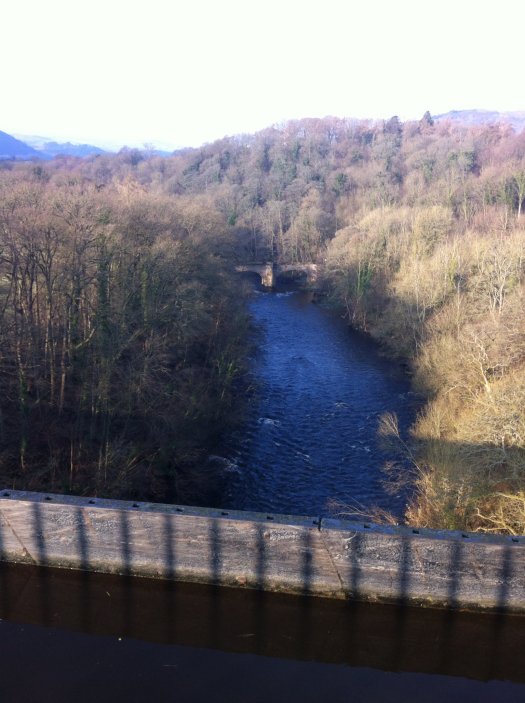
(430,567)
(203,545)
(305,555)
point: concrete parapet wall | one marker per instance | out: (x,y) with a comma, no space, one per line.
(303,555)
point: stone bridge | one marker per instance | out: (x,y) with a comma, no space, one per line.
(270,272)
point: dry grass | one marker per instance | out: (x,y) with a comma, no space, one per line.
(455,306)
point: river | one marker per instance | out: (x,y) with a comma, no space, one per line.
(310,438)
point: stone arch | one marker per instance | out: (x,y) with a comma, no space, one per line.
(309,270)
(265,271)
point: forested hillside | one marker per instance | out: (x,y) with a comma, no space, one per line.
(121,337)
(115,288)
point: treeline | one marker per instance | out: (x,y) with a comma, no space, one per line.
(419,226)
(121,339)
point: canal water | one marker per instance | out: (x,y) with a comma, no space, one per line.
(310,439)
(84,637)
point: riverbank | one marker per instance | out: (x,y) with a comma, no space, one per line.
(453,306)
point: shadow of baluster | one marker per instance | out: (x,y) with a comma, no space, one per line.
(450,617)
(353,546)
(215,557)
(169,585)
(500,618)
(260,598)
(5,598)
(128,612)
(454,580)
(403,600)
(305,603)
(41,557)
(85,606)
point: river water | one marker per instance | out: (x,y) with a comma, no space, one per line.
(310,437)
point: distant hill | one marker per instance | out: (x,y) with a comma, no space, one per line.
(69,149)
(474,117)
(11,148)
(48,148)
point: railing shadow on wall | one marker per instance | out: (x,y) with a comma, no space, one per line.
(389,637)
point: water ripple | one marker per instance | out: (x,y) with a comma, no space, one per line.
(312,428)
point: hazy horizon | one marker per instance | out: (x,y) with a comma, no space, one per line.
(116,145)
(121,73)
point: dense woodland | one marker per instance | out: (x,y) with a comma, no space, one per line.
(121,339)
(123,331)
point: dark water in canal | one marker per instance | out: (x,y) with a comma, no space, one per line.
(80,637)
(311,430)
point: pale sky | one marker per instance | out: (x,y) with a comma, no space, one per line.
(186,72)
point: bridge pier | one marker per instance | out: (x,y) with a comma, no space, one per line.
(267,276)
